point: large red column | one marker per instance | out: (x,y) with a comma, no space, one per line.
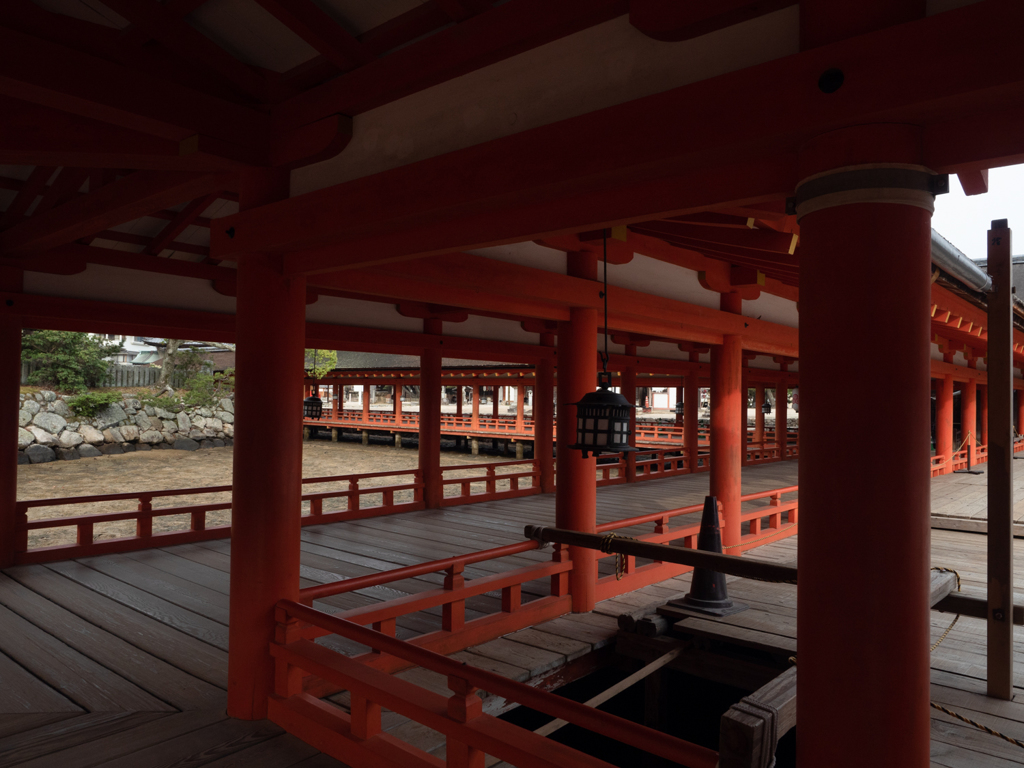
(691,414)
(367,395)
(544,417)
(984,415)
(969,416)
(10,387)
(759,413)
(576,493)
(429,454)
(475,419)
(944,422)
(864,675)
(270,341)
(727,439)
(398,402)
(628,391)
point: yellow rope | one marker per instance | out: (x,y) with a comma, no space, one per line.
(620,559)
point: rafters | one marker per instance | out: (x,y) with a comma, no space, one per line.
(33,187)
(177,225)
(321,31)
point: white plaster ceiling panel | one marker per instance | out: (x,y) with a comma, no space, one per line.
(660,278)
(359,16)
(16,171)
(364,314)
(526,254)
(86,10)
(493,328)
(251,34)
(604,65)
(773,309)
(102,283)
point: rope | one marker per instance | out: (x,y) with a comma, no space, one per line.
(620,559)
(770,733)
(957,618)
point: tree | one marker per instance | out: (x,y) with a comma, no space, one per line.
(320,362)
(65,360)
(184,356)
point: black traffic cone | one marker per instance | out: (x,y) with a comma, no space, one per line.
(708,595)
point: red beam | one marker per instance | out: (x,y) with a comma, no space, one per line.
(143,240)
(560,177)
(492,36)
(177,225)
(66,185)
(671,21)
(321,31)
(34,186)
(124,200)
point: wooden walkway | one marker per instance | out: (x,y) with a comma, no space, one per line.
(959,501)
(121,660)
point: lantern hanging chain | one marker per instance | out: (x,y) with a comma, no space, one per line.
(604,357)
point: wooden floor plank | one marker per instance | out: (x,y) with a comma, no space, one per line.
(67,734)
(22,692)
(89,684)
(13,724)
(151,674)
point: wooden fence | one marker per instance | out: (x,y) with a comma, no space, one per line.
(117,375)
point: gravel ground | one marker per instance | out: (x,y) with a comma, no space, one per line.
(170,469)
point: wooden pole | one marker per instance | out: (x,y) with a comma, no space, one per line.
(265,517)
(429,455)
(544,417)
(691,415)
(726,428)
(944,423)
(759,413)
(969,416)
(1000,464)
(10,387)
(628,390)
(367,397)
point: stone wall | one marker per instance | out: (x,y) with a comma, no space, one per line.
(49,430)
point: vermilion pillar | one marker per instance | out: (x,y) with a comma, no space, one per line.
(863,684)
(265,516)
(984,415)
(969,416)
(495,392)
(367,396)
(628,391)
(727,439)
(475,424)
(1020,411)
(544,417)
(430,419)
(398,402)
(520,407)
(576,494)
(691,414)
(10,387)
(944,422)
(759,413)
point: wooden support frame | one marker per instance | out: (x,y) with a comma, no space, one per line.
(1000,469)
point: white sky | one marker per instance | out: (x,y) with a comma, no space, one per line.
(964,221)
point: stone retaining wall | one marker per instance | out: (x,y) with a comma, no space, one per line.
(49,430)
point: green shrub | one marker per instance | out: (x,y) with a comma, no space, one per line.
(91,403)
(207,388)
(67,361)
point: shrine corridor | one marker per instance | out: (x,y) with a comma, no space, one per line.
(121,660)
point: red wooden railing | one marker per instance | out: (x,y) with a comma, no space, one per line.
(635,578)
(356,737)
(496,485)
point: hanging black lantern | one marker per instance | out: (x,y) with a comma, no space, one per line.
(312,407)
(679,406)
(766,407)
(602,421)
(602,417)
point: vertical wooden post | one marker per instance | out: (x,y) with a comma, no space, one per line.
(576,494)
(781,414)
(475,425)
(495,394)
(10,387)
(460,391)
(856,224)
(679,398)
(759,413)
(520,407)
(430,419)
(984,414)
(398,403)
(1000,464)
(265,519)
(969,416)
(691,415)
(628,389)
(944,422)
(544,417)
(726,428)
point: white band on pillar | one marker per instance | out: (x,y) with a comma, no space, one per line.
(880,183)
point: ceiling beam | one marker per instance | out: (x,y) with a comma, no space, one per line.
(561,178)
(34,186)
(177,225)
(110,205)
(322,32)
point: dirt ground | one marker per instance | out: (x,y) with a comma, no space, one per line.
(169,469)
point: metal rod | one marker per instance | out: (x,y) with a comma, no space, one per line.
(745,567)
